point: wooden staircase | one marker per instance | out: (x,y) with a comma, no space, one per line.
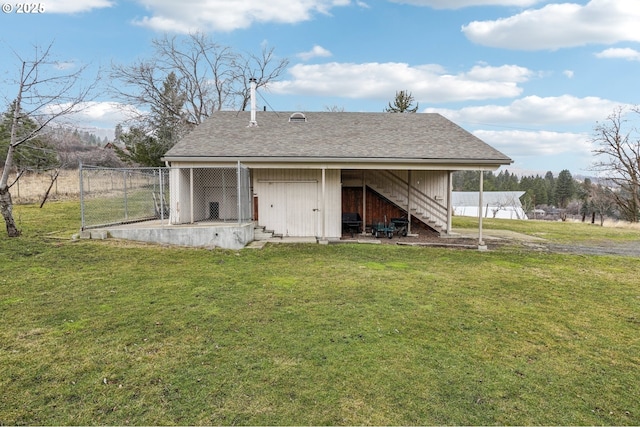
(422,207)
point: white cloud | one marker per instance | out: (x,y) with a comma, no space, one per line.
(458,4)
(64,65)
(568,74)
(533,111)
(620,53)
(556,26)
(75,6)
(427,83)
(543,150)
(105,115)
(315,52)
(540,143)
(224,15)
(524,129)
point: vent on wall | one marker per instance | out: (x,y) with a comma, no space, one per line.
(297,117)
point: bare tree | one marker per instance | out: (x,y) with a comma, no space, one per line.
(211,76)
(265,68)
(618,155)
(45,93)
(602,202)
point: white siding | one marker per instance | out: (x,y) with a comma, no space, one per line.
(179,187)
(290,201)
(431,183)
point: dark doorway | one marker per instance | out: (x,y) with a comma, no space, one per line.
(214,210)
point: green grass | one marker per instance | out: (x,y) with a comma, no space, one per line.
(107,332)
(555,231)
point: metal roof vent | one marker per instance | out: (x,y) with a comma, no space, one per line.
(297,118)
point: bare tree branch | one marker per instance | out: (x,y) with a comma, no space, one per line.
(211,76)
(44,94)
(618,155)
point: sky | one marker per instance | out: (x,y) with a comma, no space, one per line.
(532,78)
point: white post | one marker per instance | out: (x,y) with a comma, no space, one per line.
(409,184)
(364,202)
(449,201)
(191,191)
(324,204)
(239,194)
(481,245)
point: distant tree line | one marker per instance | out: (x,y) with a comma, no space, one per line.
(563,195)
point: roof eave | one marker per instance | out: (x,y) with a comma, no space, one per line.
(351,162)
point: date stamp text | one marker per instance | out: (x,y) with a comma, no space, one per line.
(23,8)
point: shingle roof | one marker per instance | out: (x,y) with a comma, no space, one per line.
(334,136)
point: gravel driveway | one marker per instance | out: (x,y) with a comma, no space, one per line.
(464,238)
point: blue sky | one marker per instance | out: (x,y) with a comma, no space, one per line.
(529,77)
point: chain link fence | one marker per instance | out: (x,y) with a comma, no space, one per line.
(168,195)
(120,196)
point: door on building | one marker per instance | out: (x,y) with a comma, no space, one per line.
(290,208)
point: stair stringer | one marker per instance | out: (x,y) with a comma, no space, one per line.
(422,207)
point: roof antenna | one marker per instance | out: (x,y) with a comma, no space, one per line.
(253,121)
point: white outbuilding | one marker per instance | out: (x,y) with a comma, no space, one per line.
(495,204)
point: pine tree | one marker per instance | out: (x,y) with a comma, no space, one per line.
(166,125)
(564,188)
(38,154)
(402,103)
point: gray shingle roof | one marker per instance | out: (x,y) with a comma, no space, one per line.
(334,136)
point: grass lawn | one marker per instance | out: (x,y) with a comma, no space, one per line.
(557,231)
(114,333)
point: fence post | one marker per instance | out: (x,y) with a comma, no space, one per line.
(239,194)
(161,193)
(126,209)
(81,197)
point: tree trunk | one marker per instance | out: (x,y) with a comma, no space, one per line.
(46,195)
(6,207)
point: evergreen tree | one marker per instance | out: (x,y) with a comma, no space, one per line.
(167,116)
(550,184)
(564,188)
(37,154)
(402,103)
(541,195)
(167,124)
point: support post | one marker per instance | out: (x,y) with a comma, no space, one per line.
(364,202)
(409,184)
(449,201)
(324,204)
(239,193)
(191,193)
(481,245)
